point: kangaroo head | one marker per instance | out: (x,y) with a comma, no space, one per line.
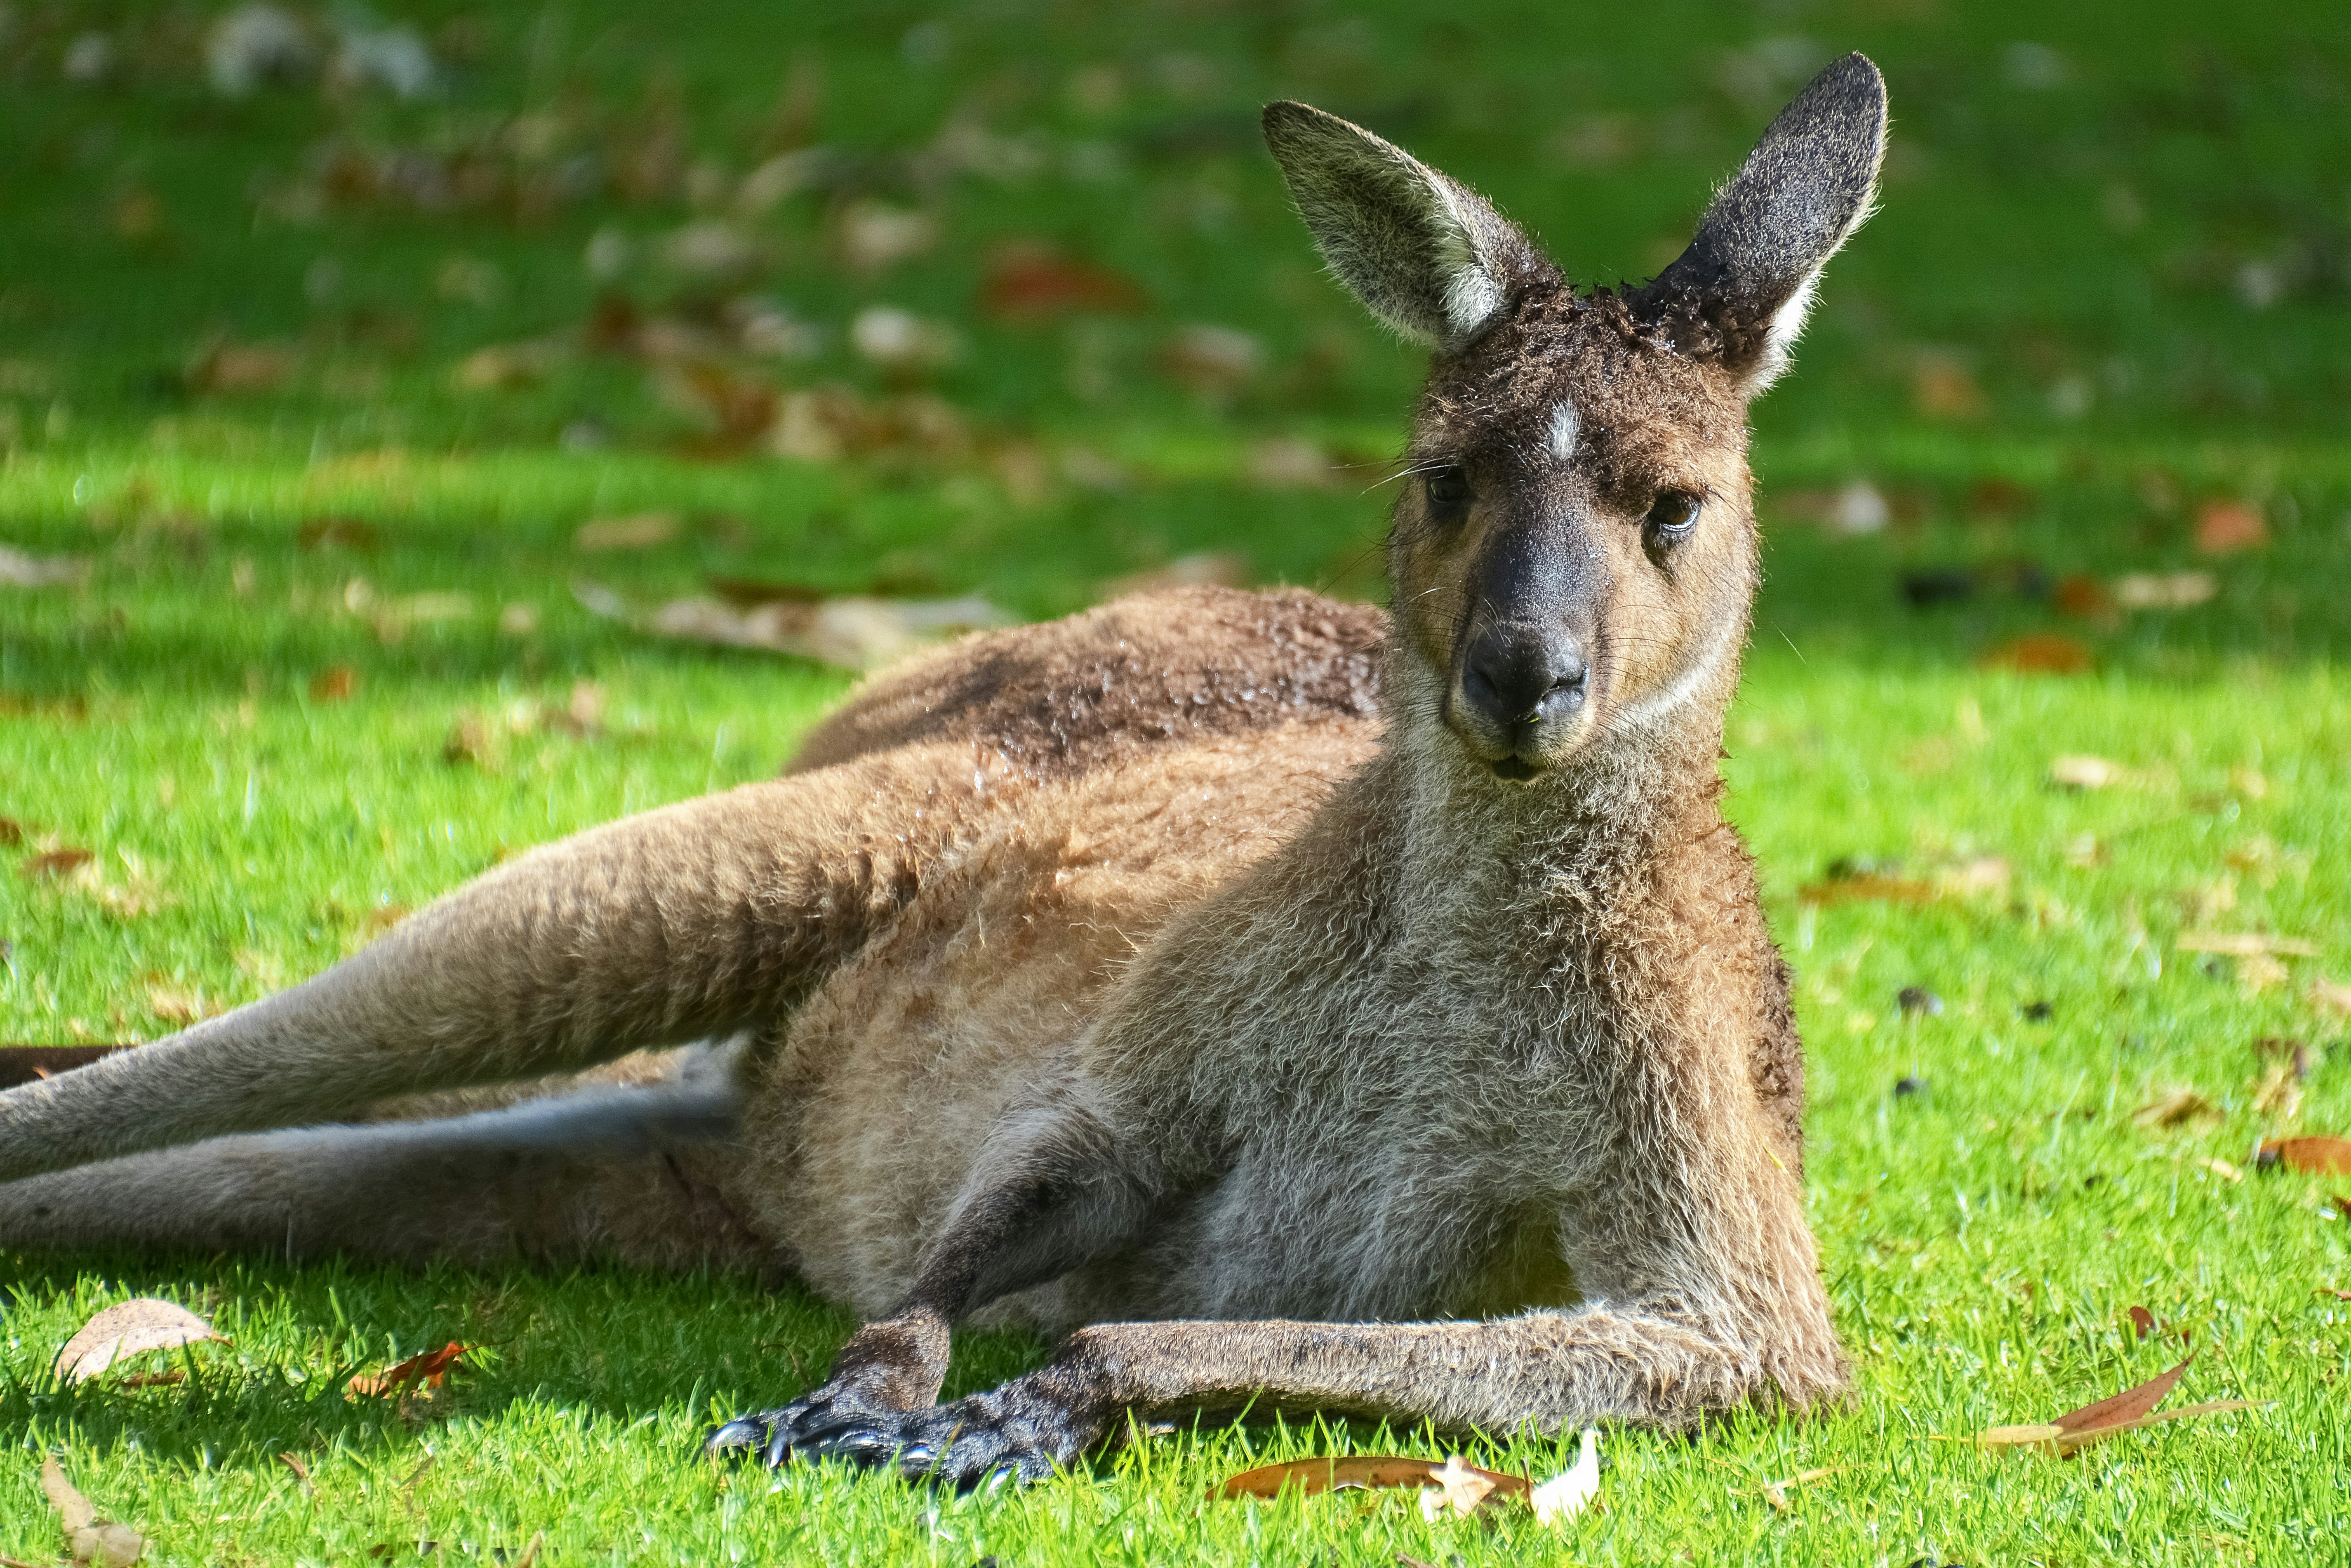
(1573,552)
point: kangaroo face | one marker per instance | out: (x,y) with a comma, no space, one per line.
(1573,553)
(1574,549)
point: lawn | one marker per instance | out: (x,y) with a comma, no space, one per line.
(306,393)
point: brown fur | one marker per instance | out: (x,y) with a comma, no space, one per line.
(1233,980)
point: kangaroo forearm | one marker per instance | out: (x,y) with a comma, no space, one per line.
(670,927)
(1552,1370)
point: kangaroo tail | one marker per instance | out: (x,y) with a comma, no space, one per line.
(679,925)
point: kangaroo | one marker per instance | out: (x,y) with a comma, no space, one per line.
(1300,1006)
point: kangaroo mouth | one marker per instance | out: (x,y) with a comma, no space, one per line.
(1516,770)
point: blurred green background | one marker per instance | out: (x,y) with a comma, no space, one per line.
(395,403)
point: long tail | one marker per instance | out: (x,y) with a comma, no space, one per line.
(682,924)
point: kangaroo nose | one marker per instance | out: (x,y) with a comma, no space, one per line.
(1518,680)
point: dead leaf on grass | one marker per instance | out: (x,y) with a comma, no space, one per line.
(1308,1478)
(58,863)
(337,533)
(2165,590)
(2246,945)
(2279,1094)
(1217,568)
(92,1539)
(853,633)
(2224,528)
(2330,997)
(428,1369)
(19,568)
(1776,1492)
(12,833)
(643,531)
(2177,1108)
(127,1329)
(2039,654)
(334,684)
(301,1472)
(2307,1157)
(174,1004)
(2142,1321)
(1867,886)
(240,368)
(2082,773)
(1028,281)
(2125,1412)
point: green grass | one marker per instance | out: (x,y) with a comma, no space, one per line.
(2140,270)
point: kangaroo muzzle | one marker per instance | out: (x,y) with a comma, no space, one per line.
(1522,685)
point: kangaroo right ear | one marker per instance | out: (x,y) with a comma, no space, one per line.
(1426,254)
(1750,272)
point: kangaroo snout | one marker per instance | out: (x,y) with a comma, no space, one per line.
(1521,693)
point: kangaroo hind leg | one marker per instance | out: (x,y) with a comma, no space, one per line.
(631,1175)
(682,924)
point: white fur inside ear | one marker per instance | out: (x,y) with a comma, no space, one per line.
(1471,293)
(1780,338)
(1565,422)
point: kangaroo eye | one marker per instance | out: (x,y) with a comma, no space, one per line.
(1673,514)
(1448,492)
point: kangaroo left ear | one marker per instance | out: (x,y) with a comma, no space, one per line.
(1740,294)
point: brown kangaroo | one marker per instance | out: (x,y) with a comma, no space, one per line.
(1307,1008)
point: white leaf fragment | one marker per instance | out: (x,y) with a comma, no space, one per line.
(1570,1491)
(127,1329)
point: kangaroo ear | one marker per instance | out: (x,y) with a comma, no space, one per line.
(1740,293)
(1425,255)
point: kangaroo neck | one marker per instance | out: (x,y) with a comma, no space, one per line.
(1595,833)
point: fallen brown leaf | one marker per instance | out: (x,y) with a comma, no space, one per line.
(2331,1291)
(2142,1322)
(642,531)
(234,368)
(2084,598)
(2039,654)
(2279,1095)
(2245,945)
(2342,1204)
(55,862)
(2125,1412)
(337,533)
(1217,569)
(1028,281)
(12,833)
(2176,1107)
(128,1329)
(334,684)
(301,1472)
(2084,772)
(2224,528)
(428,1368)
(174,1005)
(1776,1492)
(1309,1477)
(1867,886)
(92,1539)
(20,570)
(2307,1157)
(2165,590)
(1942,387)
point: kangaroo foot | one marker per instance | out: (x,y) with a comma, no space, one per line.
(1021,1432)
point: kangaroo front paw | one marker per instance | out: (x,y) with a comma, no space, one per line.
(773,1436)
(1021,1432)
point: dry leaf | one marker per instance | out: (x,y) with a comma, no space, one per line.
(2308,1156)
(2162,591)
(1867,886)
(2084,772)
(1308,1477)
(91,1539)
(2176,1107)
(1776,1492)
(2330,996)
(428,1368)
(2125,1412)
(127,1329)
(1941,387)
(2245,945)
(12,833)
(173,1004)
(55,862)
(2221,1168)
(2142,1322)
(19,569)
(643,531)
(853,633)
(301,1472)
(2279,1095)
(1219,569)
(337,533)
(2224,528)
(1028,281)
(225,367)
(1460,1491)
(2039,654)
(334,684)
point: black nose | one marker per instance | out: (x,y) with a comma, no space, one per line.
(1517,678)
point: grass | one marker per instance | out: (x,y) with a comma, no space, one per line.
(2107,290)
